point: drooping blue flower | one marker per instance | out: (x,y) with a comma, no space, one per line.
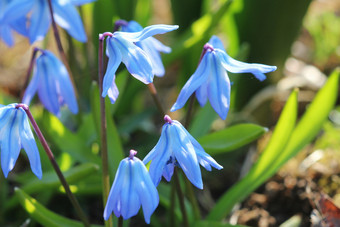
(6,28)
(64,12)
(211,81)
(52,82)
(177,147)
(121,47)
(15,133)
(132,188)
(151,46)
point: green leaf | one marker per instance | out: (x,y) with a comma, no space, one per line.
(66,140)
(50,180)
(214,224)
(314,118)
(202,121)
(231,138)
(200,31)
(42,215)
(278,141)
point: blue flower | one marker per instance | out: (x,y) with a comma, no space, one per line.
(121,47)
(51,81)
(6,28)
(64,11)
(15,133)
(132,188)
(177,147)
(151,46)
(211,81)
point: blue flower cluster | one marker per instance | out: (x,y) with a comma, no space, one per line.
(176,147)
(134,186)
(18,14)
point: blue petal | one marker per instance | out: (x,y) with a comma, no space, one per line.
(216,43)
(186,155)
(59,73)
(117,186)
(29,145)
(204,159)
(168,169)
(200,76)
(115,58)
(159,156)
(146,32)
(67,17)
(80,2)
(202,94)
(146,190)
(135,60)
(5,115)
(113,92)
(20,26)
(17,9)
(40,21)
(31,88)
(6,35)
(154,56)
(219,89)
(159,46)
(47,88)
(132,26)
(235,66)
(130,202)
(10,142)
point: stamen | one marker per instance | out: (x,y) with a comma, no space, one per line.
(207,46)
(119,23)
(167,119)
(132,154)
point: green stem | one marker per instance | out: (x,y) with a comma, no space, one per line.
(103,126)
(155,98)
(172,205)
(120,221)
(181,199)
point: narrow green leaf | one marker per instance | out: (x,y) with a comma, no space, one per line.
(199,32)
(42,215)
(314,118)
(231,138)
(50,181)
(278,141)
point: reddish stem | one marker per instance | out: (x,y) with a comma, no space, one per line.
(50,155)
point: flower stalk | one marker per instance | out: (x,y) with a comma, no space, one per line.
(181,199)
(155,98)
(60,175)
(29,70)
(59,45)
(103,126)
